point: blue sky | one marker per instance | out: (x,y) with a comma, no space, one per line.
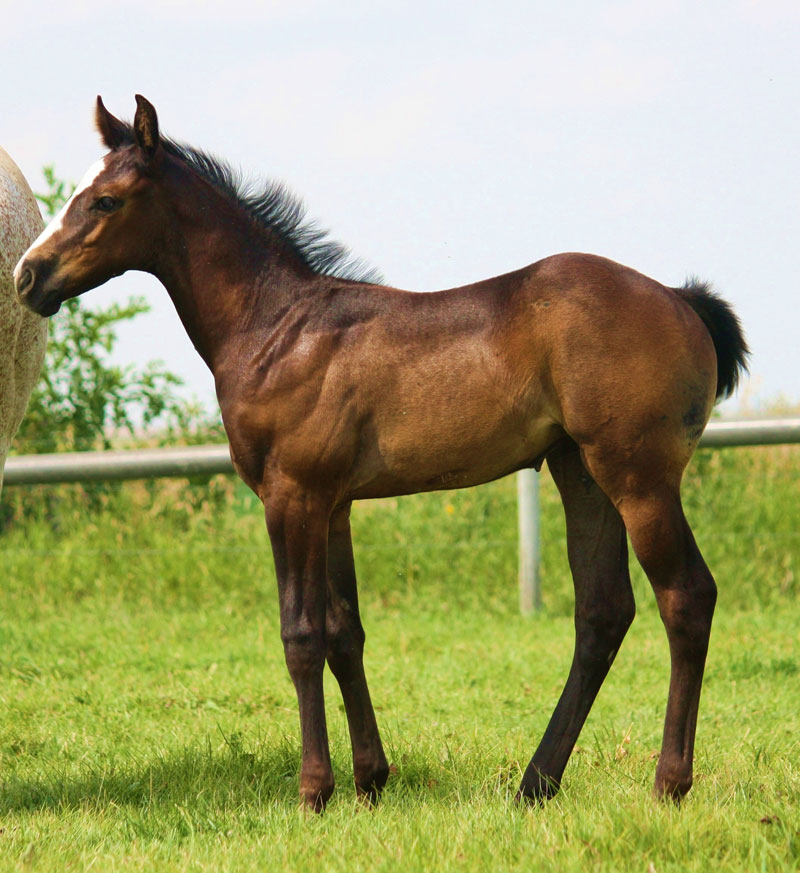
(446,143)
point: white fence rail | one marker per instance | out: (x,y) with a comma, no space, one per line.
(117,465)
(208,460)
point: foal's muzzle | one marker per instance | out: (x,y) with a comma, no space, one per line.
(31,279)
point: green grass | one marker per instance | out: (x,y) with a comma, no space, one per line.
(147,720)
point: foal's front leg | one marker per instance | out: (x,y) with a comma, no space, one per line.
(345,658)
(298,529)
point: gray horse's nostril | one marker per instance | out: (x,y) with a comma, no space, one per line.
(25,281)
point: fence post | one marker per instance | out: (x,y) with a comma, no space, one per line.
(530,595)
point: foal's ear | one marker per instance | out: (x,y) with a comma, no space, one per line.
(112,131)
(145,127)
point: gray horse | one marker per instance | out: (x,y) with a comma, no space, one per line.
(23,335)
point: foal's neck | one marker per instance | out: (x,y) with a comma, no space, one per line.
(226,275)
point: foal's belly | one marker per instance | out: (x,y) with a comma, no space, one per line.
(453,455)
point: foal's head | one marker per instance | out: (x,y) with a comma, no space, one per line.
(110,224)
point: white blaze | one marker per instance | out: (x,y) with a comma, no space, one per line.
(56,224)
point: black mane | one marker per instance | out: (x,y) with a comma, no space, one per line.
(276,208)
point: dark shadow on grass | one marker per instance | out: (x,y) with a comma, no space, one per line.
(229,778)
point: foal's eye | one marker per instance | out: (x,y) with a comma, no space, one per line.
(106,203)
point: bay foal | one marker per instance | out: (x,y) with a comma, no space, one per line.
(333,387)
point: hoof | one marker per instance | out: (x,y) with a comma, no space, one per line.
(536,788)
(315,799)
(672,785)
(369,786)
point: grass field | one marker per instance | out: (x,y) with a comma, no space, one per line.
(148,722)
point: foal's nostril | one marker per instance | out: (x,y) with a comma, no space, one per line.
(25,281)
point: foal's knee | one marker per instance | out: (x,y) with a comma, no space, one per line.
(303,648)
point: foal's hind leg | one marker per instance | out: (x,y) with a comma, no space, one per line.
(686,595)
(604,609)
(345,636)
(646,490)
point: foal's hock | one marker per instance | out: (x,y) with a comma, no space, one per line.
(334,387)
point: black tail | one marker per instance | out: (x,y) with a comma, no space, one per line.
(726,333)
